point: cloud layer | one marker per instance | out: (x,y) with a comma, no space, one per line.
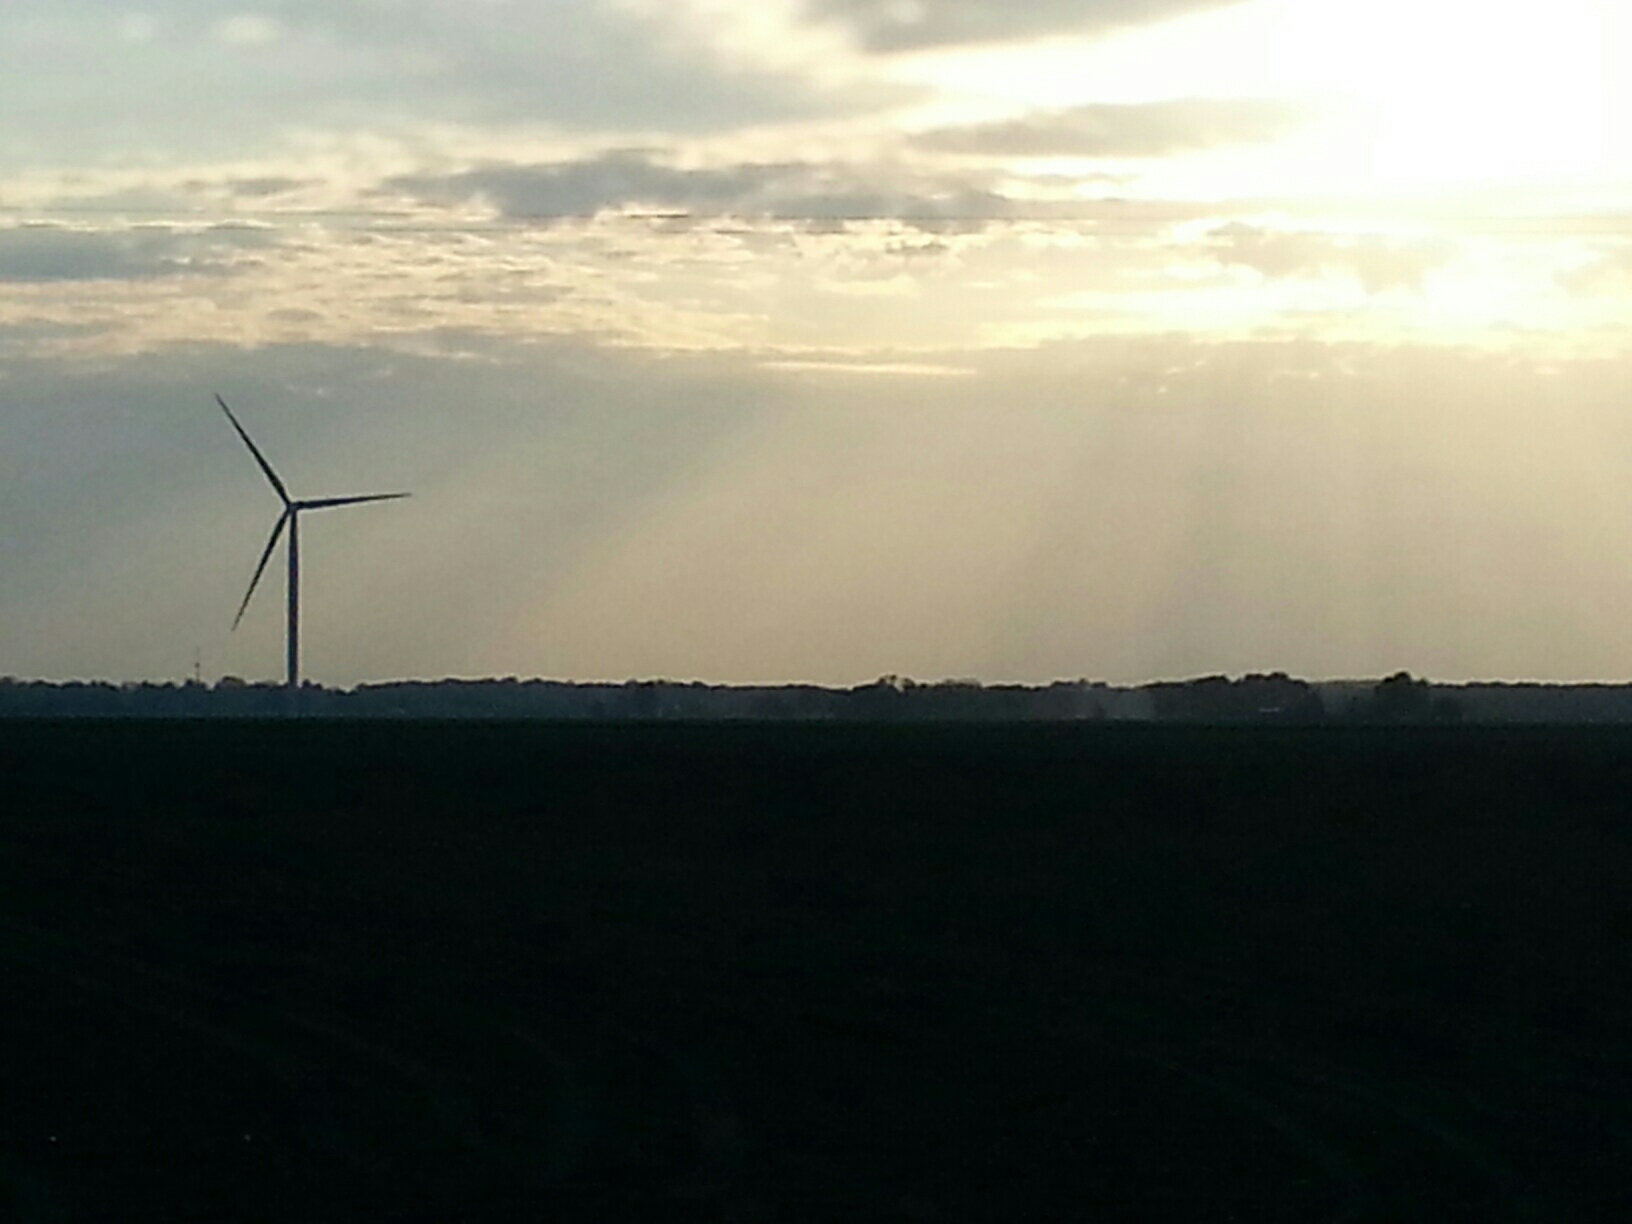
(186,77)
(46,253)
(636,181)
(913,24)
(1157,129)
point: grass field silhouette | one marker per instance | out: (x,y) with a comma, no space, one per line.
(418,971)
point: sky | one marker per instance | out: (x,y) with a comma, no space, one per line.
(761,341)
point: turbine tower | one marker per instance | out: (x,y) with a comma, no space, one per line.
(290,518)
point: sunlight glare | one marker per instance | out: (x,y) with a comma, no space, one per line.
(1462,92)
(1405,95)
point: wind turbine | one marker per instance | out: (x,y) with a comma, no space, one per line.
(291,519)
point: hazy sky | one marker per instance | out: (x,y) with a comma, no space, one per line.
(775,340)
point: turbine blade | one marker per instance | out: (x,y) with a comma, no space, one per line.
(254,450)
(261,568)
(328,503)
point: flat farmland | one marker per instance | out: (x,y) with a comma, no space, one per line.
(309,971)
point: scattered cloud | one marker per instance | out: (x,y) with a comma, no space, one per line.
(158,83)
(908,369)
(137,27)
(248,30)
(35,340)
(1607,268)
(905,25)
(636,180)
(270,185)
(1151,129)
(43,253)
(1379,262)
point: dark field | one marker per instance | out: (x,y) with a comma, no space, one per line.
(392,971)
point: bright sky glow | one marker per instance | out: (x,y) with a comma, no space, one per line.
(1481,93)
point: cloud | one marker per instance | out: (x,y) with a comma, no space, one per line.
(137,27)
(32,339)
(636,180)
(904,25)
(1379,262)
(247,30)
(1152,129)
(758,256)
(897,369)
(267,185)
(44,253)
(94,92)
(582,188)
(1607,270)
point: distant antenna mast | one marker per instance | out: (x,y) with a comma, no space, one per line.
(198,666)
